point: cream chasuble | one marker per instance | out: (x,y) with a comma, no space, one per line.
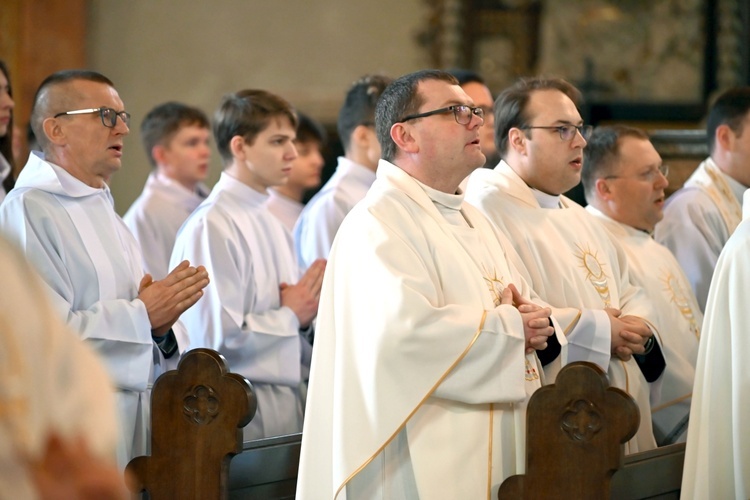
(419,379)
(91,265)
(678,320)
(698,221)
(248,254)
(717,459)
(571,261)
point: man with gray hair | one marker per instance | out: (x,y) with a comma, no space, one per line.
(61,214)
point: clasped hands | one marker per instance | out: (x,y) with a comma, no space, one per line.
(629,334)
(167,299)
(536,319)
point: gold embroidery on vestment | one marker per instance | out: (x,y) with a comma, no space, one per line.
(595,274)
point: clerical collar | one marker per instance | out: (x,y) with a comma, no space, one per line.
(547,200)
(449,205)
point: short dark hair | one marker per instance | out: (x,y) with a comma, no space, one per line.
(6,141)
(309,130)
(161,124)
(730,108)
(510,106)
(465,76)
(359,105)
(247,113)
(602,152)
(43,106)
(400,99)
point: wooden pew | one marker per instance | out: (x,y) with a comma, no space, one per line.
(197,415)
(266,469)
(651,474)
(575,429)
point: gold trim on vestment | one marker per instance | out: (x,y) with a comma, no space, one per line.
(408,417)
(572,324)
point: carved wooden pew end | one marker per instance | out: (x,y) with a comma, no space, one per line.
(574,436)
(197,415)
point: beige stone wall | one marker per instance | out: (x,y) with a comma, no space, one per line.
(308,51)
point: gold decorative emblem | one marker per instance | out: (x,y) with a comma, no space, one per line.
(678,297)
(495,285)
(595,274)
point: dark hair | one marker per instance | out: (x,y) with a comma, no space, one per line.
(510,106)
(465,76)
(602,152)
(6,141)
(309,130)
(43,103)
(165,120)
(359,105)
(247,113)
(400,99)
(730,108)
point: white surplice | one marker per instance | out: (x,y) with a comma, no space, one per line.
(248,254)
(717,459)
(50,382)
(572,262)
(698,221)
(323,214)
(285,209)
(91,265)
(419,379)
(678,320)
(155,217)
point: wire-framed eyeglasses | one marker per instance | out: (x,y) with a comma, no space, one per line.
(461,113)
(567,132)
(648,176)
(108,115)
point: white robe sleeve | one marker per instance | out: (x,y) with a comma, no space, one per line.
(317,228)
(258,343)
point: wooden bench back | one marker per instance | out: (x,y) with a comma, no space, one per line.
(575,432)
(197,415)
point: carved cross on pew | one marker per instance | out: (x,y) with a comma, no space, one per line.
(574,436)
(197,415)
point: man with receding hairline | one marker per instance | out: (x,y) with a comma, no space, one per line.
(424,355)
(624,180)
(61,214)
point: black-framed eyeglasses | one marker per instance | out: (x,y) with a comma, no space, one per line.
(108,115)
(567,132)
(461,113)
(649,176)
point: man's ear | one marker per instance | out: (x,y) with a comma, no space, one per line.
(237,146)
(725,136)
(517,140)
(54,131)
(159,154)
(603,189)
(360,136)
(402,135)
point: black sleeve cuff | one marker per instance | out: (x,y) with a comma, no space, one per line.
(652,364)
(166,344)
(552,351)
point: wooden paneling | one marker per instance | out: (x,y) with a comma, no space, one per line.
(37,38)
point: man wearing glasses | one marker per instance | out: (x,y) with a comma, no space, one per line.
(571,260)
(61,215)
(424,354)
(624,181)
